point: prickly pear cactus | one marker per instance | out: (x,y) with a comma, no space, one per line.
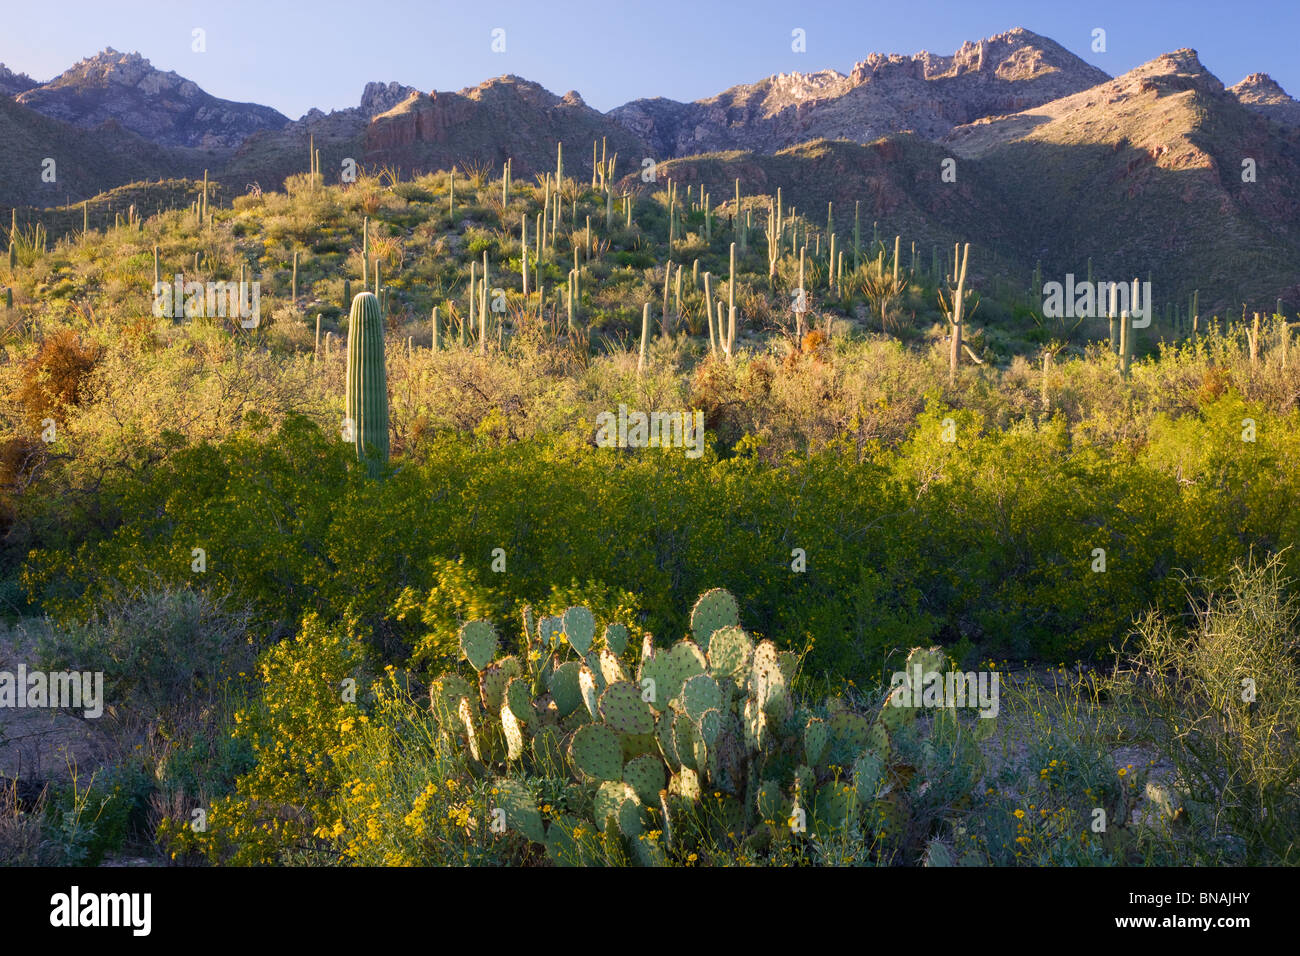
(709,743)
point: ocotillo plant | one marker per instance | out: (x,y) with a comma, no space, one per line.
(367,383)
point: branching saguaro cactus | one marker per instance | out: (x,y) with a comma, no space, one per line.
(957,316)
(772,233)
(366,411)
(668,752)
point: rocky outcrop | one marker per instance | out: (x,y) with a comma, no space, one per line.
(1260,93)
(883,94)
(11,83)
(163,108)
(506,117)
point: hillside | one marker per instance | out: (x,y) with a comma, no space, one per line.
(87,161)
(1144,175)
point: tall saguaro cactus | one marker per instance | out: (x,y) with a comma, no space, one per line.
(367,383)
(954,350)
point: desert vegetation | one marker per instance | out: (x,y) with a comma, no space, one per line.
(366,589)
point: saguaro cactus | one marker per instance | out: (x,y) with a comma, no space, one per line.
(954,350)
(645,336)
(731,305)
(367,383)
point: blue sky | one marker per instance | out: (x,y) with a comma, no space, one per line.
(295,56)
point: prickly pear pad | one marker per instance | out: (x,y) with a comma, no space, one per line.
(730,653)
(624,710)
(478,642)
(616,637)
(715,609)
(595,751)
(646,776)
(565,688)
(579,629)
(700,693)
(520,807)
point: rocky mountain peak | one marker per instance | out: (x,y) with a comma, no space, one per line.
(1263,94)
(11,83)
(164,108)
(379,98)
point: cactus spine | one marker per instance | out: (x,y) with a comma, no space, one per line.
(367,383)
